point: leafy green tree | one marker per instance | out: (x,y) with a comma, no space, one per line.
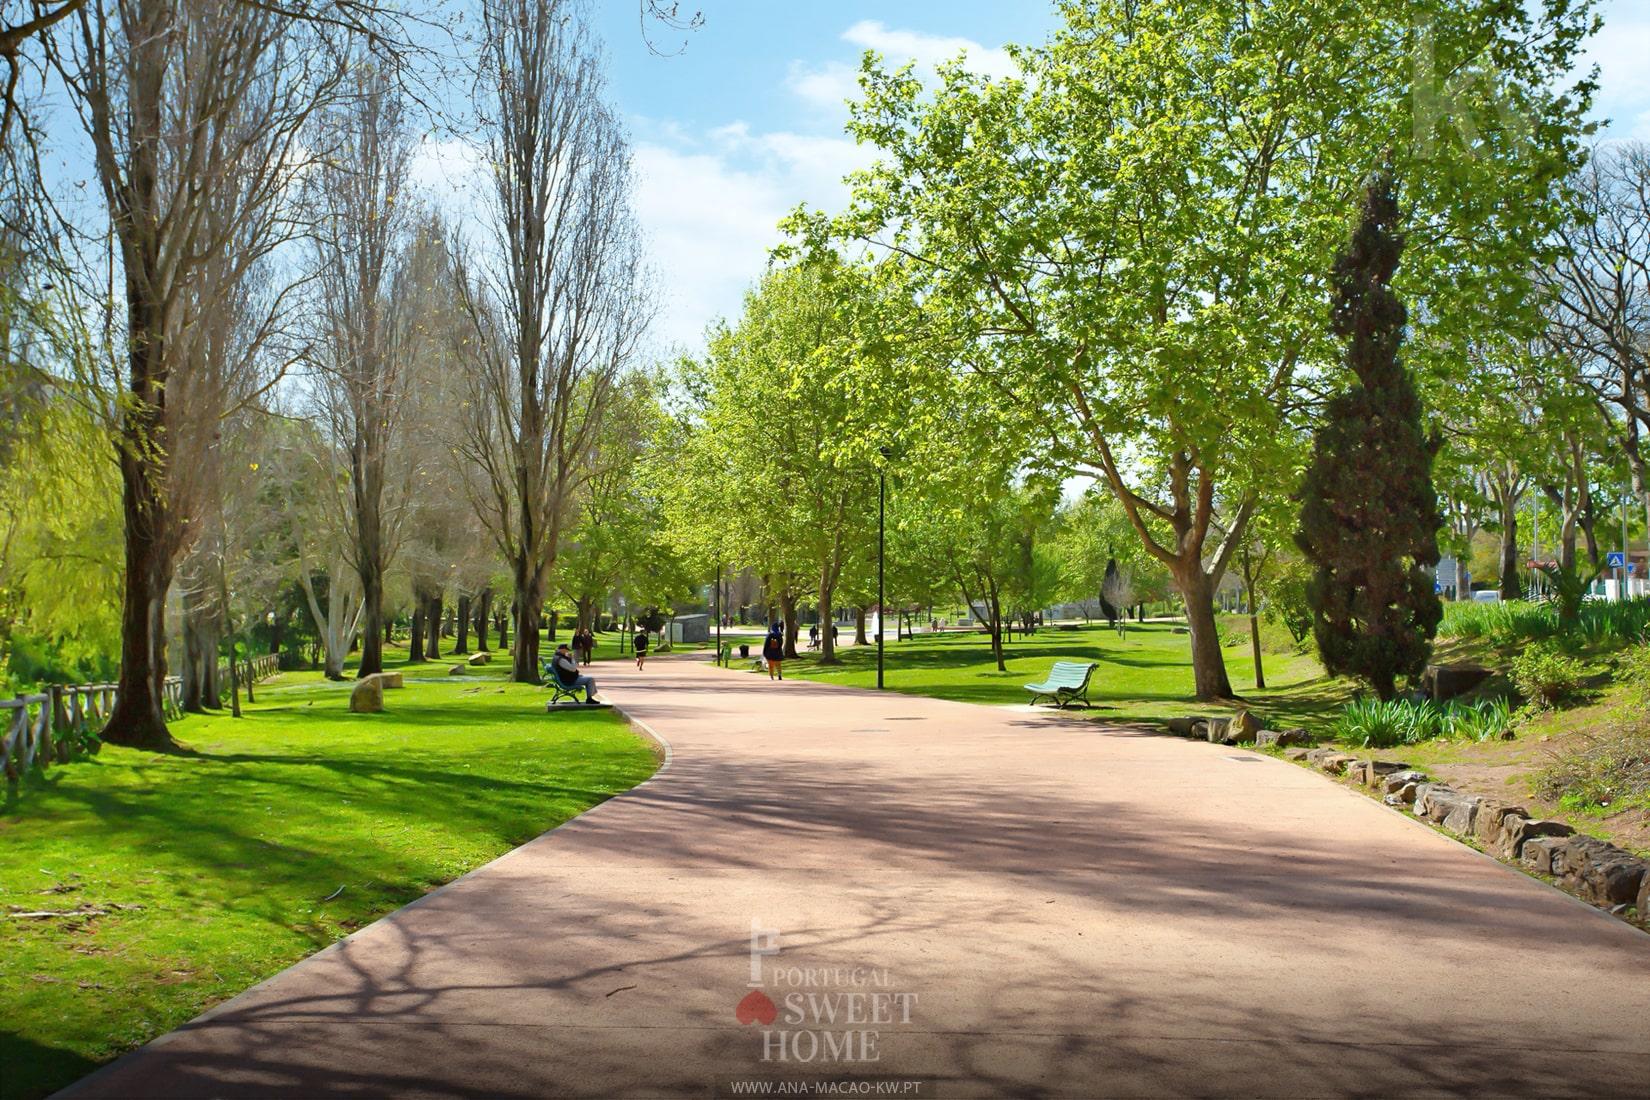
(781,464)
(1137,227)
(1369,515)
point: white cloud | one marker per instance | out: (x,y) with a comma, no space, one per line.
(827,87)
(711,211)
(927,50)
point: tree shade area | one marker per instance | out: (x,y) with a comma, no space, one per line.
(1268,356)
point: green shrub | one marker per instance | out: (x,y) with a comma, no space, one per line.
(1545,676)
(1372,724)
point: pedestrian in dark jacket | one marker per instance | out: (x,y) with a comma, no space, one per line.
(773,651)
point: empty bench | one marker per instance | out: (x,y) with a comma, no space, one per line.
(1067,682)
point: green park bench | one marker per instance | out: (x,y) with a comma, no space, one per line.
(1067,682)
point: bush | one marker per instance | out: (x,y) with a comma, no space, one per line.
(1372,724)
(1517,622)
(1545,676)
(1600,771)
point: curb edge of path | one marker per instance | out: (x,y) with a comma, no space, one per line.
(663,751)
(1452,840)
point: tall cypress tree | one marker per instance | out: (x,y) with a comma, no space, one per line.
(1369,516)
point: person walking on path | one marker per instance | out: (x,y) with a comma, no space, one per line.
(773,651)
(567,674)
(584,646)
(813,636)
(639,644)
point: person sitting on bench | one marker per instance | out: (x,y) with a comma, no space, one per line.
(567,674)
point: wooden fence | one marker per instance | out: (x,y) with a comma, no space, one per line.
(52,725)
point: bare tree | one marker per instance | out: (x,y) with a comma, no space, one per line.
(1599,299)
(193,109)
(559,308)
(358,192)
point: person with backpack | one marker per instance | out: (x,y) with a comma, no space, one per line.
(639,644)
(773,651)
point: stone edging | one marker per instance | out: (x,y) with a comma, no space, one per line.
(1595,871)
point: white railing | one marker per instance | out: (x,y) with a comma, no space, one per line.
(51,725)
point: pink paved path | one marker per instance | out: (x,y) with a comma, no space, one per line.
(1076,912)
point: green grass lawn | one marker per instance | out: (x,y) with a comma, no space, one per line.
(1143,677)
(213,867)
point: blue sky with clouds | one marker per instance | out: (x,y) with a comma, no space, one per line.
(746,121)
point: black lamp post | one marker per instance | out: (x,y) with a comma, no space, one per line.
(882,509)
(718,603)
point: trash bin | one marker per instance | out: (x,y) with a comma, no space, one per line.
(744,651)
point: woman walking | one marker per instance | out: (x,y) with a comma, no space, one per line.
(773,651)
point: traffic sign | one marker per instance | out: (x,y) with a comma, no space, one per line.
(1438,587)
(1632,567)
(1615,559)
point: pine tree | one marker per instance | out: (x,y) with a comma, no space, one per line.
(1369,516)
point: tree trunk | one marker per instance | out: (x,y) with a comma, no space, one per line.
(415,646)
(524,665)
(432,628)
(197,651)
(1208,663)
(1587,520)
(373,626)
(1509,549)
(461,644)
(995,607)
(483,609)
(276,628)
(787,608)
(503,624)
(555,621)
(859,627)
(827,644)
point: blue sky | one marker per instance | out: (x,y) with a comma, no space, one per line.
(746,121)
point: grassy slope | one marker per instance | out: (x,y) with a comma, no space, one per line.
(1144,677)
(230,849)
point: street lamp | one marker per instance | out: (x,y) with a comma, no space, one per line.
(718,602)
(882,509)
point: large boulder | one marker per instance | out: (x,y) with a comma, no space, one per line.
(1336,762)
(1537,853)
(1491,821)
(480,657)
(1598,871)
(1282,738)
(1296,754)
(1370,773)
(1217,730)
(390,679)
(1444,682)
(456,670)
(1182,727)
(1446,806)
(1243,727)
(1517,830)
(367,696)
(1398,780)
(1613,878)
(1403,796)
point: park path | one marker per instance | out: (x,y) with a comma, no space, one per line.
(1048,908)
